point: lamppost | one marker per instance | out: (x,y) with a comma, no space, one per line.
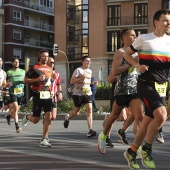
(55,52)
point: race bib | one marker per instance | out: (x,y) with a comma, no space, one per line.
(45,95)
(18,90)
(85,90)
(161,89)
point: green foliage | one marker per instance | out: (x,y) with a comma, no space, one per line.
(64,106)
(67,105)
(27,107)
(103,91)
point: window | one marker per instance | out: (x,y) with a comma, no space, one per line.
(17,15)
(141,13)
(77,29)
(27,21)
(138,32)
(113,41)
(114,15)
(166,4)
(47,3)
(17,34)
(17,53)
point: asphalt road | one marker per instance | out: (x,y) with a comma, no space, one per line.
(71,149)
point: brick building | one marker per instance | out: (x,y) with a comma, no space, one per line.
(92,27)
(28,26)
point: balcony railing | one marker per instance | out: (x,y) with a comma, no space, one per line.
(39,7)
(124,20)
(38,25)
(37,43)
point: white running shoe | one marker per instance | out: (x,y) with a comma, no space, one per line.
(160,138)
(44,143)
(25,120)
(101,143)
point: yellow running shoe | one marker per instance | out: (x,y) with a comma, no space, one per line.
(101,143)
(131,159)
(147,159)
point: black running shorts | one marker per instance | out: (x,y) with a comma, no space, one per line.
(14,98)
(124,100)
(150,97)
(79,100)
(38,104)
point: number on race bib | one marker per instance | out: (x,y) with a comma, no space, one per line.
(17,90)
(161,89)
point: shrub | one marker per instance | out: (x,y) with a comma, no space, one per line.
(103,91)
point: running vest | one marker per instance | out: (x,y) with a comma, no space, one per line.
(16,78)
(126,82)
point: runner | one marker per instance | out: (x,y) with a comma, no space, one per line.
(39,77)
(15,84)
(82,94)
(154,63)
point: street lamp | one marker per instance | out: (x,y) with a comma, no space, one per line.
(55,52)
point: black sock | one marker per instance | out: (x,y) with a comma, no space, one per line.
(147,146)
(16,125)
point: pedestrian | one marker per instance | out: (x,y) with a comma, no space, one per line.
(93,86)
(125,91)
(154,63)
(56,90)
(82,94)
(15,84)
(39,77)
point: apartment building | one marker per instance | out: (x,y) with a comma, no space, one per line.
(92,27)
(28,26)
(1,20)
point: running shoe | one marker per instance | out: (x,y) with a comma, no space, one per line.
(131,159)
(8,119)
(147,159)
(18,130)
(44,143)
(66,121)
(47,138)
(160,138)
(139,156)
(43,117)
(25,120)
(122,136)
(101,143)
(91,133)
(109,143)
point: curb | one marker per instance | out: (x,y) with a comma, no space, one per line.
(62,116)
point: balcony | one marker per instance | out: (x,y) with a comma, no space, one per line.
(37,43)
(39,7)
(31,5)
(38,25)
(125,21)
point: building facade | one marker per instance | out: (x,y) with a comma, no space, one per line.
(28,26)
(1,27)
(78,27)
(92,27)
